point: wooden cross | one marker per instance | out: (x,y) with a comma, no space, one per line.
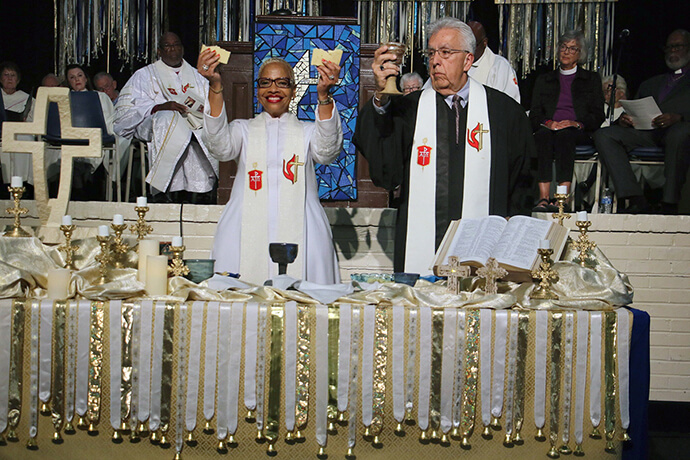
(454,271)
(491,272)
(50,211)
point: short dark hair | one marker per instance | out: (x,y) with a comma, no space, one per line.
(80,67)
(9,65)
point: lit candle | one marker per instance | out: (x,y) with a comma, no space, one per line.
(141,201)
(16,181)
(58,283)
(544,244)
(67,220)
(177,241)
(118,219)
(103,230)
(582,216)
(562,189)
(146,248)
(157,275)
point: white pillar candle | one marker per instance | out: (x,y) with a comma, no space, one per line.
(103,230)
(562,189)
(544,244)
(118,219)
(177,241)
(582,216)
(157,275)
(67,220)
(58,283)
(146,248)
(16,181)
(141,201)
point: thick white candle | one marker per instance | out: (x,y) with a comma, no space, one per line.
(103,230)
(544,244)
(141,201)
(177,241)
(16,181)
(146,248)
(67,220)
(562,189)
(118,219)
(58,283)
(157,275)
(582,216)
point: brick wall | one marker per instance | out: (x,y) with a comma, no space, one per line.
(653,250)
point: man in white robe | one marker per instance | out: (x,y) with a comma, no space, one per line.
(162,104)
(280,166)
(491,69)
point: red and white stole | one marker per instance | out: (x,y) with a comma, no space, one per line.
(420,244)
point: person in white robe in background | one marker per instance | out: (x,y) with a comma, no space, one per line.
(240,244)
(155,106)
(15,102)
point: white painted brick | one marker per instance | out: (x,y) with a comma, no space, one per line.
(680,339)
(660,324)
(670,282)
(658,353)
(650,239)
(668,395)
(679,354)
(679,382)
(659,381)
(681,325)
(669,368)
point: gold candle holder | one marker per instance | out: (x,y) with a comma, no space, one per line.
(583,244)
(177,266)
(118,245)
(18,211)
(561,215)
(547,277)
(105,257)
(141,228)
(68,248)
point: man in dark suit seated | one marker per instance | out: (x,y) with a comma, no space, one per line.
(671,91)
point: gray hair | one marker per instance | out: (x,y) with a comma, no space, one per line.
(620,83)
(411,76)
(579,38)
(452,23)
(100,75)
(284,63)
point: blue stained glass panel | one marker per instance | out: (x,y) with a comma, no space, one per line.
(294,43)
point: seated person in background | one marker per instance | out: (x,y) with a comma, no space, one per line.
(457,149)
(105,83)
(491,69)
(50,80)
(671,91)
(19,106)
(411,82)
(567,107)
(89,175)
(151,107)
(275,194)
(621,95)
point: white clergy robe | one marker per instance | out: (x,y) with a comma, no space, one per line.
(133,118)
(17,164)
(322,144)
(495,72)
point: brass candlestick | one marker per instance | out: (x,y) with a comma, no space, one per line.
(141,228)
(105,256)
(118,245)
(547,276)
(177,266)
(583,244)
(68,248)
(17,230)
(560,215)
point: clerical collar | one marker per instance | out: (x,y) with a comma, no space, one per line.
(464,94)
(568,72)
(174,69)
(478,61)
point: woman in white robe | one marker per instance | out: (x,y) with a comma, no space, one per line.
(263,207)
(19,106)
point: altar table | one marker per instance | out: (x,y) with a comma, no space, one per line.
(204,379)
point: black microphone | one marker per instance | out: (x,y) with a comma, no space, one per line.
(625,33)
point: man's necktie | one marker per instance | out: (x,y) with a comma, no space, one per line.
(456,108)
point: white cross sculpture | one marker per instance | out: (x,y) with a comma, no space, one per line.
(50,211)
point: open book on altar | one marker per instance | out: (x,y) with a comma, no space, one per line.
(513,242)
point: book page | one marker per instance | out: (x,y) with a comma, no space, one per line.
(642,111)
(520,241)
(475,238)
